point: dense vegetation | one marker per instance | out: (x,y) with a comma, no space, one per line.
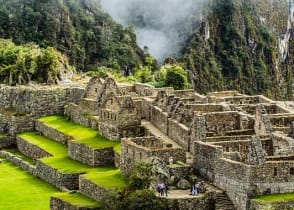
(77,28)
(21,64)
(238,53)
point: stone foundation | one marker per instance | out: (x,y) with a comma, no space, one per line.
(59,204)
(91,189)
(202,203)
(30,150)
(90,156)
(259,205)
(19,162)
(6,141)
(59,179)
(52,133)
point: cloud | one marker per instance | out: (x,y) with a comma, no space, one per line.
(162,25)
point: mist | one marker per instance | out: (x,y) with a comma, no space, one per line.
(161,25)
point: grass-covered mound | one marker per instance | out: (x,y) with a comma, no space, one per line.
(77,200)
(21,191)
(81,134)
(275,197)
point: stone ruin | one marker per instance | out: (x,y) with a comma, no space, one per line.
(242,144)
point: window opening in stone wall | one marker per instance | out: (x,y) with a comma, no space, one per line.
(275,171)
(292,171)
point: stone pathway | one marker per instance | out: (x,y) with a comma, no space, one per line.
(159,134)
(182,194)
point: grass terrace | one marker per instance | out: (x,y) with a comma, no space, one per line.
(59,160)
(108,179)
(21,191)
(81,134)
(77,200)
(275,197)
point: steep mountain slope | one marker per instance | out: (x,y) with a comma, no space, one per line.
(78,28)
(246,45)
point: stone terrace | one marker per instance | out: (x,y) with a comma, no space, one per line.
(242,144)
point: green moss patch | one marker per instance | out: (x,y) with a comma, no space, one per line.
(275,197)
(21,191)
(77,199)
(81,134)
(109,179)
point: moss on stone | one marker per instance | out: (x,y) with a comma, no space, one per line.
(275,197)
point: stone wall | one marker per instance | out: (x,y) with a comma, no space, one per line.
(90,189)
(179,133)
(202,203)
(133,152)
(15,124)
(90,156)
(77,115)
(159,119)
(261,205)
(6,141)
(59,204)
(52,133)
(30,150)
(205,158)
(39,100)
(19,162)
(59,179)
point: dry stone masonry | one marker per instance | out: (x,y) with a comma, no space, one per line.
(242,144)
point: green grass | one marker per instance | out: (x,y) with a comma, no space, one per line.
(54,148)
(81,134)
(60,159)
(109,179)
(77,199)
(275,197)
(21,191)
(17,153)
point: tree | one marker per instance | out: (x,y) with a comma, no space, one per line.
(176,77)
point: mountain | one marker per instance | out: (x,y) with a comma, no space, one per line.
(77,28)
(246,45)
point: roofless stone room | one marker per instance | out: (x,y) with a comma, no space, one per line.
(146,105)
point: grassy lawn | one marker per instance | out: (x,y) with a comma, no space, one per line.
(109,179)
(81,134)
(275,197)
(21,191)
(77,199)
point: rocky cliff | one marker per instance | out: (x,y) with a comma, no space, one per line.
(246,45)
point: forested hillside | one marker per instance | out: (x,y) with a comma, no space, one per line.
(246,45)
(77,28)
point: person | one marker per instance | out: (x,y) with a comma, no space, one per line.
(161,189)
(158,189)
(197,187)
(193,189)
(166,189)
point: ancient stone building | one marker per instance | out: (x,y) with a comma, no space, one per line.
(242,144)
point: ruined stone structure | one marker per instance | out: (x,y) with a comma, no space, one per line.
(242,144)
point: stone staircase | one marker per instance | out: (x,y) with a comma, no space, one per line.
(222,202)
